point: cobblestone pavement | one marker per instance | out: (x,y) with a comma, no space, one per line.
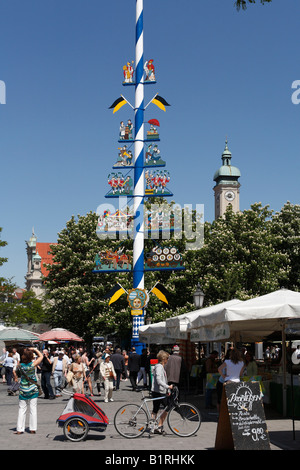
(50,437)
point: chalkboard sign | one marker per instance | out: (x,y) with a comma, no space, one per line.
(242,423)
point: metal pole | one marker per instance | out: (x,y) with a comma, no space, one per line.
(139,177)
(284,387)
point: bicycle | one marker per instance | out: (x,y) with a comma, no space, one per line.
(132,420)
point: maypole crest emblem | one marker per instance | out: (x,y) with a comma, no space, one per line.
(137,300)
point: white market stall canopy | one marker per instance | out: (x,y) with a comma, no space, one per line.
(153,333)
(251,320)
(157,332)
(183,324)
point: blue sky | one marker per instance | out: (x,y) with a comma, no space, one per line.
(224,73)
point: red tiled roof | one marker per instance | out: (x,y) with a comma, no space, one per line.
(44,250)
(19,293)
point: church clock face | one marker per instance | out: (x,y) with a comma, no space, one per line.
(229,196)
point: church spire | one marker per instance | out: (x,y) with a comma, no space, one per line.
(226,155)
(227,184)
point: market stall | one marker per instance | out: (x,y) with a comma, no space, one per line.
(182,325)
(154,333)
(254,320)
(14,336)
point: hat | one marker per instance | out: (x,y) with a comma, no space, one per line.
(61,352)
(175,348)
(106,356)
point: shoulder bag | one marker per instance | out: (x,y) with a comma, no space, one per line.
(32,381)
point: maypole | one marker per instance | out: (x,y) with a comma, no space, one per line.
(139,172)
(149,180)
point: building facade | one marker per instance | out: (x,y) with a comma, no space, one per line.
(38,254)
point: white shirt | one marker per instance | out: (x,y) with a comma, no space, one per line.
(233,370)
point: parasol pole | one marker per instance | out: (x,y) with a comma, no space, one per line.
(139,177)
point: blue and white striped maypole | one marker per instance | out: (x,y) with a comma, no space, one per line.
(139,177)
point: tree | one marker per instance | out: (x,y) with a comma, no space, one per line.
(2,244)
(75,296)
(244,255)
(15,311)
(243,3)
(239,258)
(286,230)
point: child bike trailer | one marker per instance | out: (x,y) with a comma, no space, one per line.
(79,416)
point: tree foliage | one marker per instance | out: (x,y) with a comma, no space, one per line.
(286,228)
(242,4)
(15,311)
(2,244)
(75,298)
(244,255)
(239,258)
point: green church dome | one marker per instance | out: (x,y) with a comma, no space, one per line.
(227,173)
(37,257)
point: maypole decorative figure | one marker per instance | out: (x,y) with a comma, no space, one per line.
(128,72)
(150,72)
(156,182)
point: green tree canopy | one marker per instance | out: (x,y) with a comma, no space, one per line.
(75,298)
(244,255)
(15,311)
(242,4)
(239,258)
(2,244)
(286,229)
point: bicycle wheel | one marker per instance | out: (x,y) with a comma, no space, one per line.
(76,429)
(131,421)
(184,419)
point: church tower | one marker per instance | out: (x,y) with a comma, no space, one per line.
(227,188)
(38,254)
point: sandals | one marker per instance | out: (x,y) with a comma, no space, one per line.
(160,430)
(20,432)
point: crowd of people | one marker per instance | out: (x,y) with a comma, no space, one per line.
(81,369)
(45,374)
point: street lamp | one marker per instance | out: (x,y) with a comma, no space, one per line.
(198,297)
(198,302)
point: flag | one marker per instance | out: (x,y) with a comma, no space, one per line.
(115,293)
(118,104)
(160,102)
(161,292)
